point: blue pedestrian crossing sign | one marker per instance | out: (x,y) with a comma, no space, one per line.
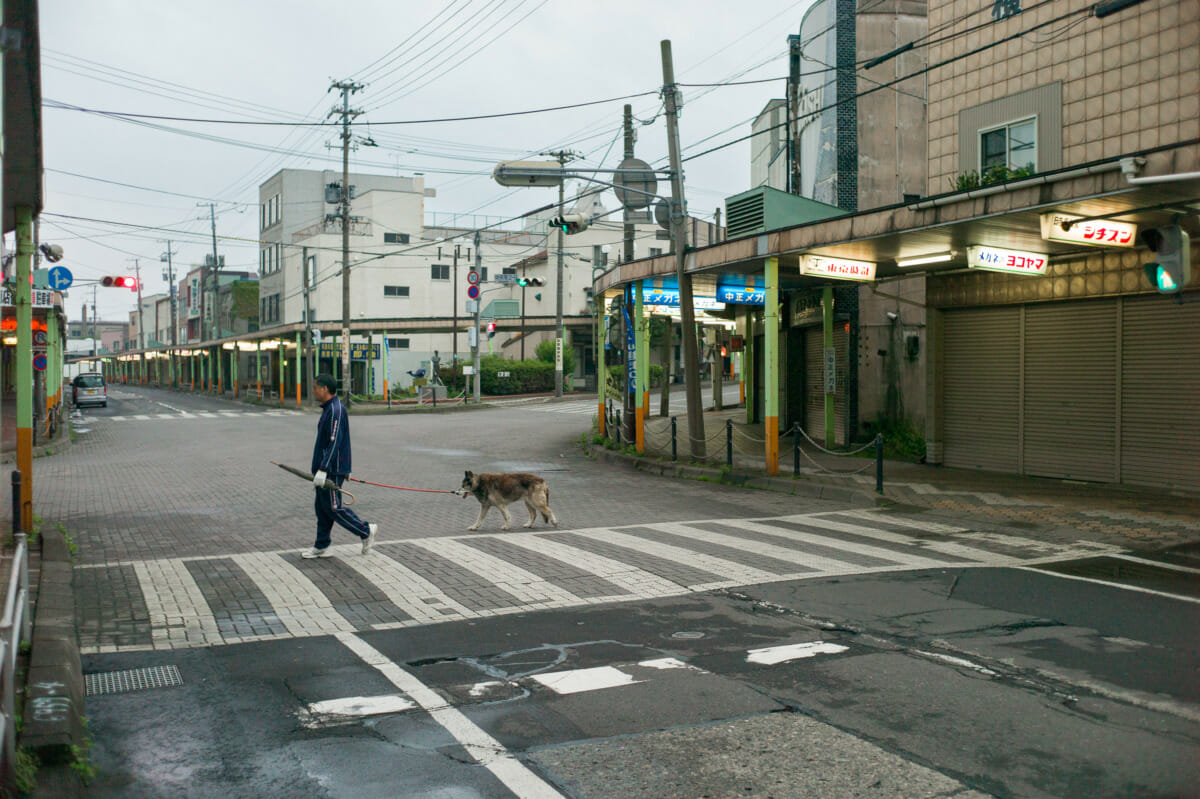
(60,278)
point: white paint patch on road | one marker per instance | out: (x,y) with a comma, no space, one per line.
(772,655)
(485,749)
(666,663)
(953,661)
(321,713)
(577,681)
(484,688)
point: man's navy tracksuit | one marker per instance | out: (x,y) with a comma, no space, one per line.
(331,454)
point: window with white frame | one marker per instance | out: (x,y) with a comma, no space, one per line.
(1013,145)
(395,291)
(439,271)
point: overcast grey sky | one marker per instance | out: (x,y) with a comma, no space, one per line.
(270,60)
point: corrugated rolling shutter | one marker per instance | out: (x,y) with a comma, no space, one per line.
(814,383)
(1071,390)
(981,388)
(1160,386)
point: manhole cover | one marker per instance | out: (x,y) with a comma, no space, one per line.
(119,682)
(687,635)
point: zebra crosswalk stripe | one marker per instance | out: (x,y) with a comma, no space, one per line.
(642,561)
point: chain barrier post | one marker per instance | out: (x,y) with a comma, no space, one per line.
(618,428)
(795,449)
(16,500)
(879,462)
(674,441)
(729,443)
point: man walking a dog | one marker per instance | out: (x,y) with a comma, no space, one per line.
(331,463)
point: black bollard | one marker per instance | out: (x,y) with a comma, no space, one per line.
(879,462)
(16,500)
(674,441)
(729,443)
(795,449)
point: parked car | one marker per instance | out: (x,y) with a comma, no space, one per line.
(89,388)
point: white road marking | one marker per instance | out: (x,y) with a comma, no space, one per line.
(772,655)
(1139,589)
(179,614)
(734,573)
(408,591)
(641,584)
(528,587)
(667,663)
(577,681)
(1157,563)
(301,606)
(485,749)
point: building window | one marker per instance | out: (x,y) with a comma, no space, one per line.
(655,252)
(440,272)
(395,291)
(508,270)
(395,238)
(397,343)
(1013,145)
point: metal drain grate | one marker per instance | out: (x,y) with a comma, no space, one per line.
(119,682)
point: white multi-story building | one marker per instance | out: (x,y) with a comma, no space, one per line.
(409,281)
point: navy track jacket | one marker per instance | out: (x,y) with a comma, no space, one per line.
(331,451)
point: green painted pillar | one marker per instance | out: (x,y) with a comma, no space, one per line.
(641,344)
(771,365)
(299,347)
(830,396)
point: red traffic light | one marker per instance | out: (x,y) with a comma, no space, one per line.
(119,281)
(491,329)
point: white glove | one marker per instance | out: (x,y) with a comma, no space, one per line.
(319,479)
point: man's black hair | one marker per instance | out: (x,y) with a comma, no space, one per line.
(327,382)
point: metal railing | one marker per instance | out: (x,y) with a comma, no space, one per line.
(15,626)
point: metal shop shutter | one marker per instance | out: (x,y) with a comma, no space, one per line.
(1160,393)
(1071,390)
(981,388)
(814,383)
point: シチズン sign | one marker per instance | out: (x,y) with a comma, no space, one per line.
(1097,232)
(994,258)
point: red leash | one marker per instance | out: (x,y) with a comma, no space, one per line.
(402,488)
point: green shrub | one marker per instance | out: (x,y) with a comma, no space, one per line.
(545,352)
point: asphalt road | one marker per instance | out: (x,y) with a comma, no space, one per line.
(670,638)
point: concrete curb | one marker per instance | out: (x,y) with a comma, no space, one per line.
(54,683)
(783,485)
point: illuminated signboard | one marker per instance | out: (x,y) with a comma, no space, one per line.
(1098,232)
(1025,263)
(838,268)
(669,298)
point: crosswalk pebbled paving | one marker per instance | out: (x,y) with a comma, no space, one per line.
(146,417)
(203,601)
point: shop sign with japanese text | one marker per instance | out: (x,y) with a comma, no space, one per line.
(1025,263)
(839,268)
(1098,232)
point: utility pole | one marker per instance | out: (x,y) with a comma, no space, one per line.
(454,304)
(170,278)
(793,112)
(308,323)
(216,265)
(137,272)
(629,396)
(347,88)
(477,386)
(691,356)
(563,157)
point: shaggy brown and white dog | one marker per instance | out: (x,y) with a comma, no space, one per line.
(501,489)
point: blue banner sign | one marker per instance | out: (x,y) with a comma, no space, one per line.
(742,289)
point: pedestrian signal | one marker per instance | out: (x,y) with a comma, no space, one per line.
(1173,269)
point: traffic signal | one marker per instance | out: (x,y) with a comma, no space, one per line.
(570,223)
(530,281)
(119,281)
(1173,269)
(491,329)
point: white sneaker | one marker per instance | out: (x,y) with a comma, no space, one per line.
(316,553)
(369,541)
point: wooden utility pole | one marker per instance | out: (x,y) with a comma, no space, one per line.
(691,362)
